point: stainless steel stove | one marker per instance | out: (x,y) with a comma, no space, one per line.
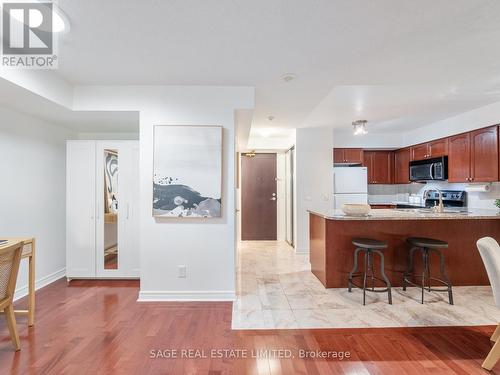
(451,198)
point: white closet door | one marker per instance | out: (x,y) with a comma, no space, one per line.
(80,209)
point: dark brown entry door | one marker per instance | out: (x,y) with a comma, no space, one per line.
(258,197)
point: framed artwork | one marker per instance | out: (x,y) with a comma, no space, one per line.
(187,171)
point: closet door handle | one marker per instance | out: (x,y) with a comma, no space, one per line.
(128,210)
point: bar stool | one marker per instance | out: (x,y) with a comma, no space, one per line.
(369,247)
(426,245)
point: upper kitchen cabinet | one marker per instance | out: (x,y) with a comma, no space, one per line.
(402,166)
(419,152)
(484,154)
(348,155)
(473,156)
(438,148)
(380,165)
(459,158)
(428,150)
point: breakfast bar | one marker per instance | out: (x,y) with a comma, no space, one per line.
(331,250)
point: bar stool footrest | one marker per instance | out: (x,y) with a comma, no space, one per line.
(426,287)
(369,289)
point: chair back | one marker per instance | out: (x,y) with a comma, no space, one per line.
(10,257)
(490,252)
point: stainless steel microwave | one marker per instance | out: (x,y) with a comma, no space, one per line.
(429,169)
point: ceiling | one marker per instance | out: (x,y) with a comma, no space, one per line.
(15,97)
(398,63)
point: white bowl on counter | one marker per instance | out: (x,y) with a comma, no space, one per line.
(352,209)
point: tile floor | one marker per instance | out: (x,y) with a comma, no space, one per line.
(276,290)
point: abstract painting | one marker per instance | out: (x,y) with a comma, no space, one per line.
(187,171)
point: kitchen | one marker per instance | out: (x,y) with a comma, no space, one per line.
(467,161)
(442,189)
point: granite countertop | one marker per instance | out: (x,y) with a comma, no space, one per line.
(411,214)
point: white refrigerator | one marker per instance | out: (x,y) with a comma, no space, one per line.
(350,185)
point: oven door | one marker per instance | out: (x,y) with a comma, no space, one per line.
(422,172)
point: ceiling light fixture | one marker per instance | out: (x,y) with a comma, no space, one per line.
(360,127)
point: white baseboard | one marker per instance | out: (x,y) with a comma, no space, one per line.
(40,283)
(205,296)
(301,251)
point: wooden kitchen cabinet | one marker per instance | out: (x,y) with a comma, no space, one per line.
(459,158)
(402,166)
(484,154)
(428,150)
(473,156)
(419,152)
(348,155)
(380,165)
(438,148)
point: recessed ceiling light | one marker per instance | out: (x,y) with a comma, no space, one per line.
(287,77)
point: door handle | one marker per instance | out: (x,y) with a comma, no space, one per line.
(273,199)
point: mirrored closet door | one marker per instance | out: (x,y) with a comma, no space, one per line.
(117,184)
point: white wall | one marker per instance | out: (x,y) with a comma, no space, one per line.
(32,191)
(206,247)
(346,138)
(118,136)
(314,182)
(475,119)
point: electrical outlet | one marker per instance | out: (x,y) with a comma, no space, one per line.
(182,271)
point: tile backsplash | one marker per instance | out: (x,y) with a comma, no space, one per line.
(392,193)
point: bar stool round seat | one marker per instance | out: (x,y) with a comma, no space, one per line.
(427,242)
(369,243)
(369,247)
(427,246)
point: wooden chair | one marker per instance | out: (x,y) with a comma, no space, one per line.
(10,257)
(490,253)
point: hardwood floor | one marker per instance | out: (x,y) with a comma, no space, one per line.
(97,327)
